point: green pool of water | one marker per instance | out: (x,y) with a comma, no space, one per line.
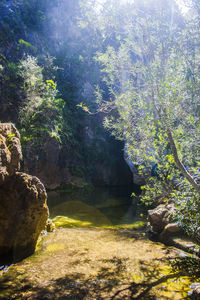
(83,260)
(96,207)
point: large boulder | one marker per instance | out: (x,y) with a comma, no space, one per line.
(170,230)
(23,215)
(161,216)
(162,223)
(23,208)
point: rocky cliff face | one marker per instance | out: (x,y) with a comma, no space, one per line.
(23,208)
(96,158)
(49,162)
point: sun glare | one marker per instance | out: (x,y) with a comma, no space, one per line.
(181,4)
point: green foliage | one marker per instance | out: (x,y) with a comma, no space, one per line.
(64,53)
(153,81)
(187,201)
(41,113)
(1,68)
(146,65)
(25,44)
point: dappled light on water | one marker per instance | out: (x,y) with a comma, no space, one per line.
(96,264)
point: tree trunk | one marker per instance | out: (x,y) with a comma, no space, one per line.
(180,165)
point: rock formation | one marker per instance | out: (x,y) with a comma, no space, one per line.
(48,156)
(98,159)
(10,151)
(23,208)
(161,221)
(160,217)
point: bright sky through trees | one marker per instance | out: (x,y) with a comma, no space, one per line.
(181,4)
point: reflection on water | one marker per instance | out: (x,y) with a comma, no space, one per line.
(115,204)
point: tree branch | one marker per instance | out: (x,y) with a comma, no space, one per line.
(180,165)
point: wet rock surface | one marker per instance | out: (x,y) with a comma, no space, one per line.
(23,208)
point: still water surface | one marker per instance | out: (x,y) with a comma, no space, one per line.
(115,203)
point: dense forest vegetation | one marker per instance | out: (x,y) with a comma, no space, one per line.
(99,149)
(132,65)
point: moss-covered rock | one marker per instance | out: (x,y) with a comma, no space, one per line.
(50,226)
(79,214)
(65,222)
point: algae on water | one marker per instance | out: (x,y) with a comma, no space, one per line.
(65,222)
(77,214)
